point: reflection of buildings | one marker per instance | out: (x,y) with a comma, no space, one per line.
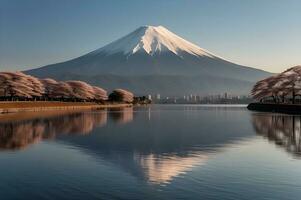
(284,130)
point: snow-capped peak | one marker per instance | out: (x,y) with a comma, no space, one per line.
(153,39)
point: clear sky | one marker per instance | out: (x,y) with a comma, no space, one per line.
(265,34)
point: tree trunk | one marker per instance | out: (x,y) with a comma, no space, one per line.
(274,98)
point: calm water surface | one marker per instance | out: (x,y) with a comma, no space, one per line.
(157,152)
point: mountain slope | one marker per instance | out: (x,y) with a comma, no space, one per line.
(169,85)
(152,51)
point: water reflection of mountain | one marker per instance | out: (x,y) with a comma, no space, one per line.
(161,144)
(161,169)
(283,130)
(152,144)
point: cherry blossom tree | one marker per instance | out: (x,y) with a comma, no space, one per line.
(285,84)
(20,86)
(100,94)
(121,95)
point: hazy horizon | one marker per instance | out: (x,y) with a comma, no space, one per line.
(259,34)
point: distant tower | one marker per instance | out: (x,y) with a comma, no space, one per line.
(149,97)
(158,96)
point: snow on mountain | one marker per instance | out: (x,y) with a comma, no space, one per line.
(152,40)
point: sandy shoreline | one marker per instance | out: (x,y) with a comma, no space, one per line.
(37,106)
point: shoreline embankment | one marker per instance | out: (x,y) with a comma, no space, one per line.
(273,107)
(37,106)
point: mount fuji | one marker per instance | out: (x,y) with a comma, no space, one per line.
(154,60)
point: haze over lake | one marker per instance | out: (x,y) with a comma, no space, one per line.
(156,152)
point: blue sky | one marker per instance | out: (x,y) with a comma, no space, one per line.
(265,34)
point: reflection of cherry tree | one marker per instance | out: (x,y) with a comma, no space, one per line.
(20,134)
(122,115)
(284,130)
(281,87)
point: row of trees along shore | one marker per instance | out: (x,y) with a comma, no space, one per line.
(17,86)
(284,87)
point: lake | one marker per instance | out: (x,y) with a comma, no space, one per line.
(156,152)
